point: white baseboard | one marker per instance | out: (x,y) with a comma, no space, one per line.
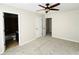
(65,39)
(2,50)
(21,44)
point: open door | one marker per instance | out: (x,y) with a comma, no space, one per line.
(49,26)
(44,27)
(38,27)
(11,30)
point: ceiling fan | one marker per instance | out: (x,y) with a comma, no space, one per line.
(49,7)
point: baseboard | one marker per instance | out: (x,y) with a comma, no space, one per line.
(26,42)
(2,50)
(65,39)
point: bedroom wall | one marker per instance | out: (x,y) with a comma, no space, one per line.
(26,24)
(65,25)
(1,34)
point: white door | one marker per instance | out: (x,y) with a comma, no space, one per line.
(44,27)
(38,27)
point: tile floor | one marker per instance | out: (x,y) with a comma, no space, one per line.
(45,46)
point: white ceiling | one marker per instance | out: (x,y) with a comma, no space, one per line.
(34,7)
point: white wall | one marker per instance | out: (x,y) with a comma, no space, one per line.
(26,24)
(1,34)
(65,25)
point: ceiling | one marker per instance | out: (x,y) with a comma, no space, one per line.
(34,6)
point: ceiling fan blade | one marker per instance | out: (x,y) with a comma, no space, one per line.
(41,6)
(55,5)
(55,9)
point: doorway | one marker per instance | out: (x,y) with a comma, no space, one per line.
(11,30)
(49,26)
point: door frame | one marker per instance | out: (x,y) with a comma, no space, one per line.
(4,27)
(44,26)
(51,25)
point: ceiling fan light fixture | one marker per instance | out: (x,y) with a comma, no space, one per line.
(46,11)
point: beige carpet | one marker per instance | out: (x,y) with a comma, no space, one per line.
(45,46)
